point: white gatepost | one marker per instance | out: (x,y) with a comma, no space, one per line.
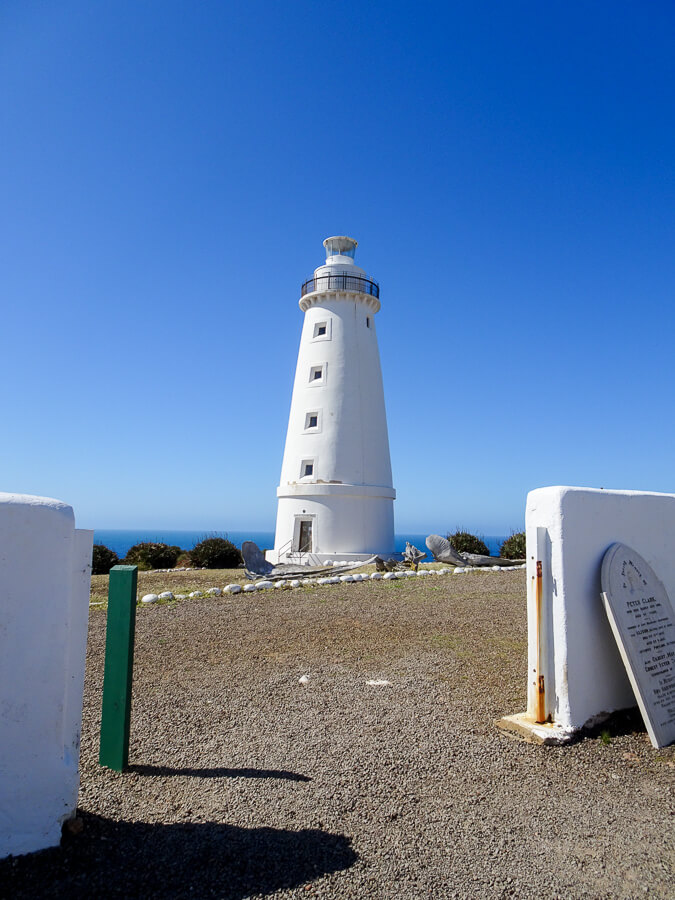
(45,574)
(575,671)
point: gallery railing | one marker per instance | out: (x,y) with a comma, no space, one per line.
(341,282)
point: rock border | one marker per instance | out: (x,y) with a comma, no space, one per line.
(292,584)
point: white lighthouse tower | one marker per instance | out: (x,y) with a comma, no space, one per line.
(336,499)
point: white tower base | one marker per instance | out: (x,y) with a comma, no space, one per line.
(347,522)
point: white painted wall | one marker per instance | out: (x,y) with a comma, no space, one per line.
(371,518)
(349,493)
(45,573)
(569,529)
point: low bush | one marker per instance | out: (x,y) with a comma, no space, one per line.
(148,555)
(514,546)
(464,542)
(215,553)
(103,559)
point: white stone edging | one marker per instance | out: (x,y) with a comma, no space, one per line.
(325,580)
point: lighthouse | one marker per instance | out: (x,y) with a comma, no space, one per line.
(336,499)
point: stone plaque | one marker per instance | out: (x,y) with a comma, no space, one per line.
(643,623)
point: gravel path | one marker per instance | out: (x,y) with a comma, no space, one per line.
(247,783)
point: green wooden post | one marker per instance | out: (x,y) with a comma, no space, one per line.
(119,666)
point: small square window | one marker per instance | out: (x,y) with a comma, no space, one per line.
(306,468)
(316,373)
(321,330)
(311,420)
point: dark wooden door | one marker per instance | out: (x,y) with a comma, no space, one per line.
(305,537)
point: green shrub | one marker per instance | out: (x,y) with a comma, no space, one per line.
(215,553)
(464,542)
(103,559)
(148,555)
(514,546)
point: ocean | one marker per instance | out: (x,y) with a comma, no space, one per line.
(120,540)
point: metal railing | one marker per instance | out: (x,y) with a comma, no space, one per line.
(301,556)
(341,282)
(288,551)
(285,548)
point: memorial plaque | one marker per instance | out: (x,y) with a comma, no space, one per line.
(643,622)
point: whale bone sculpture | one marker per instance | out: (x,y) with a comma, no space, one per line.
(443,551)
(412,556)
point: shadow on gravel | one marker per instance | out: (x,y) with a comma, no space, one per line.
(220,773)
(137,859)
(625,721)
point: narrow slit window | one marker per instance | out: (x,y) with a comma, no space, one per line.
(367,321)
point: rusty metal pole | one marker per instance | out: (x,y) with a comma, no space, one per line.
(541,683)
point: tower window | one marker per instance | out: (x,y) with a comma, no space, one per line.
(316,373)
(367,321)
(312,422)
(306,468)
(322,330)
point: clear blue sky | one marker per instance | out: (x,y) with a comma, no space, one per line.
(168,171)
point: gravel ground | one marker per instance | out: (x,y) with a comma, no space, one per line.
(245,782)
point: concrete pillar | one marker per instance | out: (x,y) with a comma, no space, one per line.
(45,573)
(575,671)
